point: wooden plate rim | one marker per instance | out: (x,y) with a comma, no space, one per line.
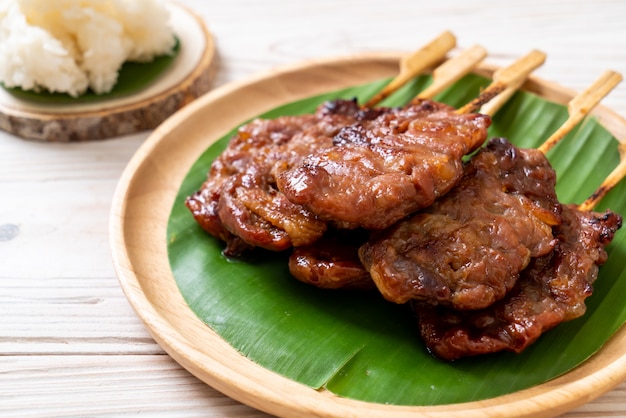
(138,222)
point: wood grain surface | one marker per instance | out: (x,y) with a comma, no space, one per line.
(71,344)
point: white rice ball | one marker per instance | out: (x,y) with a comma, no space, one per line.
(71,45)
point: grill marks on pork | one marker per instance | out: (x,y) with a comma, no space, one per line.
(551,290)
(379,171)
(467,249)
(239,202)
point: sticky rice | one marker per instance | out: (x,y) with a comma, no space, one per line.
(69,46)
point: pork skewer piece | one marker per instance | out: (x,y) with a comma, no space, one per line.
(239,202)
(467,250)
(412,65)
(404,160)
(551,290)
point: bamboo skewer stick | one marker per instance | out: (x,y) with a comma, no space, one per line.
(504,78)
(412,65)
(491,108)
(452,70)
(582,104)
(578,108)
(612,179)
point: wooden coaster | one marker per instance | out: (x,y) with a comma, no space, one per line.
(188,77)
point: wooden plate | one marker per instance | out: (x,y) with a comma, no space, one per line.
(188,77)
(138,225)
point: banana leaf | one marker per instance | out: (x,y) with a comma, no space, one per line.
(357,345)
(132,77)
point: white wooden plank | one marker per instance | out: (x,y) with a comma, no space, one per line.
(69,316)
(57,199)
(47,386)
(22,161)
(62,228)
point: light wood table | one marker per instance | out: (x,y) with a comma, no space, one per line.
(70,343)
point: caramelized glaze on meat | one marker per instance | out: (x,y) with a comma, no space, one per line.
(239,202)
(381,170)
(468,248)
(332,262)
(550,291)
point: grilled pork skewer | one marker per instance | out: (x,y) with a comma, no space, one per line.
(404,159)
(239,202)
(466,251)
(378,171)
(551,290)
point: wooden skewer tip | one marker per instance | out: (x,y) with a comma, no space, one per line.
(416,63)
(581,105)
